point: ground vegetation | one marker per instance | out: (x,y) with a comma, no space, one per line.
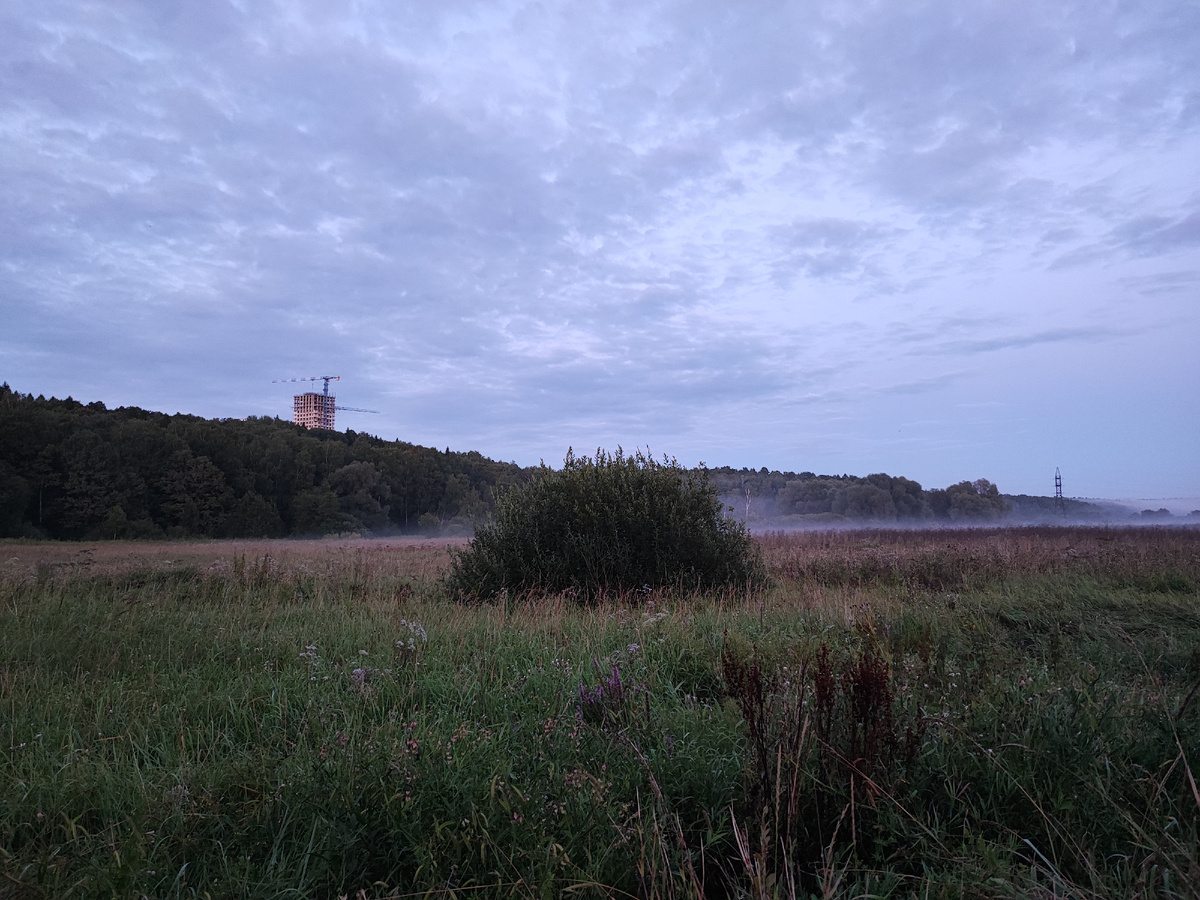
(608,525)
(983,713)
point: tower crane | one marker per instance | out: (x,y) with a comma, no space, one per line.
(325,378)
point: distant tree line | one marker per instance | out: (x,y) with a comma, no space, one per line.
(70,470)
(771,499)
(81,471)
(810,498)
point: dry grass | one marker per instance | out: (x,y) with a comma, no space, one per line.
(845,556)
(989,552)
(397,557)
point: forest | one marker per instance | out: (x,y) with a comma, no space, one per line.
(71,470)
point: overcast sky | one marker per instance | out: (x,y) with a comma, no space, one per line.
(945,240)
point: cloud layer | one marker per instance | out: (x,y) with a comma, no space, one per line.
(946,240)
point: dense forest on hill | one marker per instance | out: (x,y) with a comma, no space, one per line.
(73,470)
(70,470)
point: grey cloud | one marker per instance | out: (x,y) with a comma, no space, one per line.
(828,248)
(1145,236)
(1163,283)
(1020,341)
(939,328)
(1155,234)
(520,222)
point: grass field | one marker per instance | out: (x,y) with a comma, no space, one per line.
(986,713)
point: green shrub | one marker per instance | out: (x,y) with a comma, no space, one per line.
(609,525)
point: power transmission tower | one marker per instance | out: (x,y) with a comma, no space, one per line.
(1060,505)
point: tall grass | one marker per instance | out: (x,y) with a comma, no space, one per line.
(1024,721)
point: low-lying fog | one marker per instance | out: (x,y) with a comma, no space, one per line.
(762,515)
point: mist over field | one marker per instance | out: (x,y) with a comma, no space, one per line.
(1176,506)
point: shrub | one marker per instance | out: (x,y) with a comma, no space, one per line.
(609,525)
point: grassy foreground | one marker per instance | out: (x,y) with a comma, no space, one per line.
(997,713)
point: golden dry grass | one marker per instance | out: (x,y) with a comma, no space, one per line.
(402,556)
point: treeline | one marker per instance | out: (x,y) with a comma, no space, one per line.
(81,471)
(70,470)
(808,498)
(771,499)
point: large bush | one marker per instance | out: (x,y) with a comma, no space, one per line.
(609,525)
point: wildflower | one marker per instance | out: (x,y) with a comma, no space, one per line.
(416,631)
(362,677)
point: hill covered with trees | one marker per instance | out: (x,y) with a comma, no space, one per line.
(74,470)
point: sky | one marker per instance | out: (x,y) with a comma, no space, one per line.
(945,240)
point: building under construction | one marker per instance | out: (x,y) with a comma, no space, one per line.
(314,410)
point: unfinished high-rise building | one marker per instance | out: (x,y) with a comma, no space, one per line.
(314,410)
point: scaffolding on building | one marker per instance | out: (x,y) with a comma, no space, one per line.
(313,410)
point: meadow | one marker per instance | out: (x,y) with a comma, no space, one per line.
(976,713)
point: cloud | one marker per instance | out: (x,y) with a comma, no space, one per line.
(1153,235)
(1022,341)
(1143,236)
(1163,283)
(828,248)
(519,223)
